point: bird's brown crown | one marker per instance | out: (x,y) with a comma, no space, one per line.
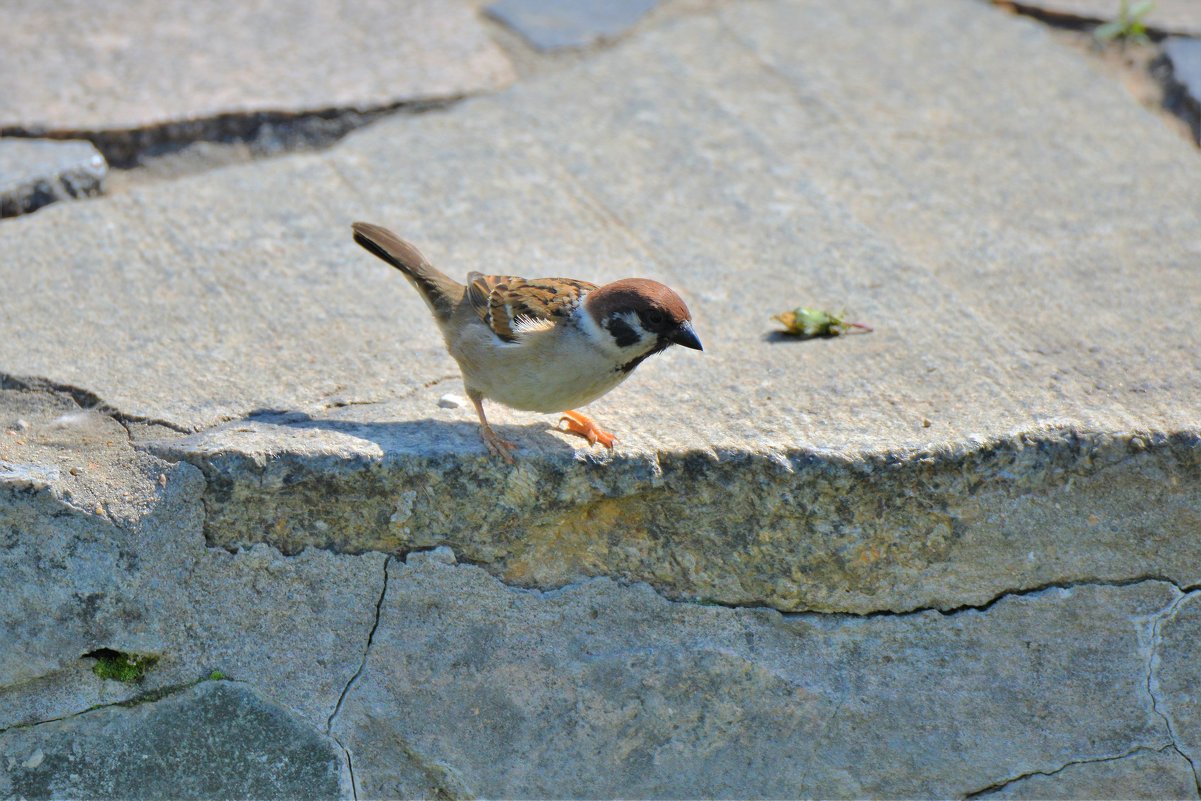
(639,295)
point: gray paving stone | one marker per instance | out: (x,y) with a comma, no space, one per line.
(37,172)
(557,24)
(1174,16)
(144,63)
(216,740)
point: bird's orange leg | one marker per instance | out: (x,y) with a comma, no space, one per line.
(583,426)
(497,446)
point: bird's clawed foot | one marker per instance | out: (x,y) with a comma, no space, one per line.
(497,446)
(583,426)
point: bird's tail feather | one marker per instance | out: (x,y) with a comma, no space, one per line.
(441,292)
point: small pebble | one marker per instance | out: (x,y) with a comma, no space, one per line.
(74,471)
(452,401)
(22,425)
(100,509)
(162,479)
(34,760)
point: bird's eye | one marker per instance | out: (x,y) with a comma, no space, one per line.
(654,317)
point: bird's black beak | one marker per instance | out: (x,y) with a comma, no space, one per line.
(684,335)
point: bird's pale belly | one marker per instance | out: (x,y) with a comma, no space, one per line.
(536,378)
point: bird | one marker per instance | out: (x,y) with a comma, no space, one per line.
(545,345)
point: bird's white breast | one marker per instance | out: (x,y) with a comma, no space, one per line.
(552,370)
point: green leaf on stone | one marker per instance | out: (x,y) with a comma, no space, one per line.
(810,323)
(1128,26)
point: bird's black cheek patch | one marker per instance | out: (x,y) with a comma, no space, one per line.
(623,333)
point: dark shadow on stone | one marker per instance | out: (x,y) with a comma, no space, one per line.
(426,437)
(775,337)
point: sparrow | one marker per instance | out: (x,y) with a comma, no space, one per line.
(540,344)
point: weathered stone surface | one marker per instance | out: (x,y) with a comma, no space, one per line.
(1146,774)
(1185,57)
(603,691)
(215,740)
(145,63)
(1175,16)
(556,24)
(37,172)
(101,547)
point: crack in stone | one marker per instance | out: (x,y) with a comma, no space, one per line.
(1021,592)
(996,786)
(85,399)
(354,790)
(1017,592)
(137,700)
(1157,703)
(379,604)
(267,133)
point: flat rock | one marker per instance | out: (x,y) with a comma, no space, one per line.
(1173,16)
(37,172)
(557,24)
(1185,55)
(978,324)
(897,205)
(145,63)
(604,691)
(215,740)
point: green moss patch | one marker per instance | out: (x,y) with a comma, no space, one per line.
(121,666)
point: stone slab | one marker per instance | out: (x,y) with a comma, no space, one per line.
(37,172)
(982,326)
(215,740)
(1185,56)
(145,63)
(1173,16)
(1145,774)
(558,24)
(605,691)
